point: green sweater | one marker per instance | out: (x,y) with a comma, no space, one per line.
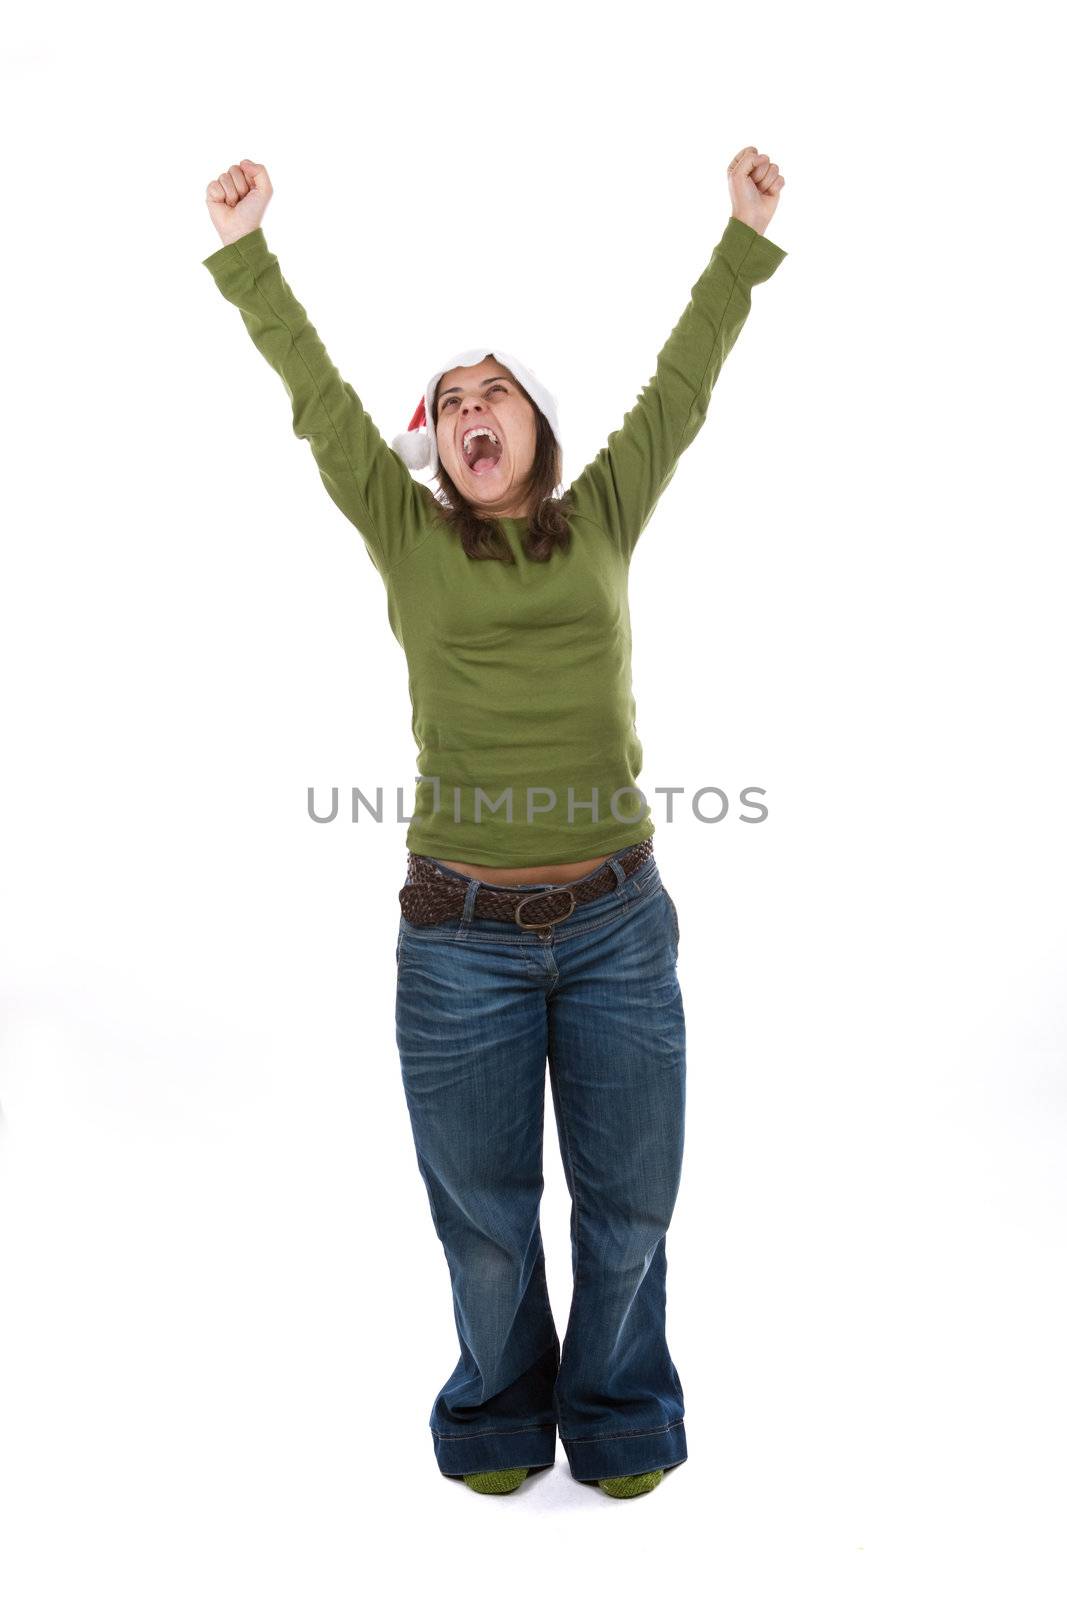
(519,676)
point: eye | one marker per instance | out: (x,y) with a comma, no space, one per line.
(448,400)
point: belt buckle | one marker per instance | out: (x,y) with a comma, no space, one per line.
(540,895)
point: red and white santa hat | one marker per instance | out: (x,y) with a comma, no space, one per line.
(417,448)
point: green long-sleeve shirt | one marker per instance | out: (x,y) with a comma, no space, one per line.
(520,681)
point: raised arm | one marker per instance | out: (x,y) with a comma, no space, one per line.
(362,474)
(624,482)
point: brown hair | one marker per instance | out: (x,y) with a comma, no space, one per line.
(547,529)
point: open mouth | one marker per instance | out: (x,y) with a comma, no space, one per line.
(482,452)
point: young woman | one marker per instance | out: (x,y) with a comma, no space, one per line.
(534,923)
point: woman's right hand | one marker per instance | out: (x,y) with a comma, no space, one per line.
(237,199)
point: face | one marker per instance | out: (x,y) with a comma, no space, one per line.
(487,396)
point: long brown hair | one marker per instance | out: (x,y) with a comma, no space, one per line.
(547,529)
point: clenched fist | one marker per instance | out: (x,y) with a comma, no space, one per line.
(755,185)
(237,199)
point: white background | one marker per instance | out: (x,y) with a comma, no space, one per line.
(224,1313)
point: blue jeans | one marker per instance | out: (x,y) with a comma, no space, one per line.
(480,1004)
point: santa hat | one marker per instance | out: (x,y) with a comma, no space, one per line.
(417,448)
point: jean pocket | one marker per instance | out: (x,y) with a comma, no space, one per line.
(674,917)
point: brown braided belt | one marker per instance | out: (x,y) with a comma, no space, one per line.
(430,896)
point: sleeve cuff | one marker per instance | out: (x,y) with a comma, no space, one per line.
(752,255)
(250,254)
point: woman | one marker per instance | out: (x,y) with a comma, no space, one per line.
(534,922)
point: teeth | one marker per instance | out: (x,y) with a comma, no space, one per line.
(476,433)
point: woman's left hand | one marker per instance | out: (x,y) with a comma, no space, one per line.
(755,184)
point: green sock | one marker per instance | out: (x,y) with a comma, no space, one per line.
(504,1480)
(635,1483)
(500,1482)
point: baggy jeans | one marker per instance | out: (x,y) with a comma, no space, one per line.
(480,1005)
